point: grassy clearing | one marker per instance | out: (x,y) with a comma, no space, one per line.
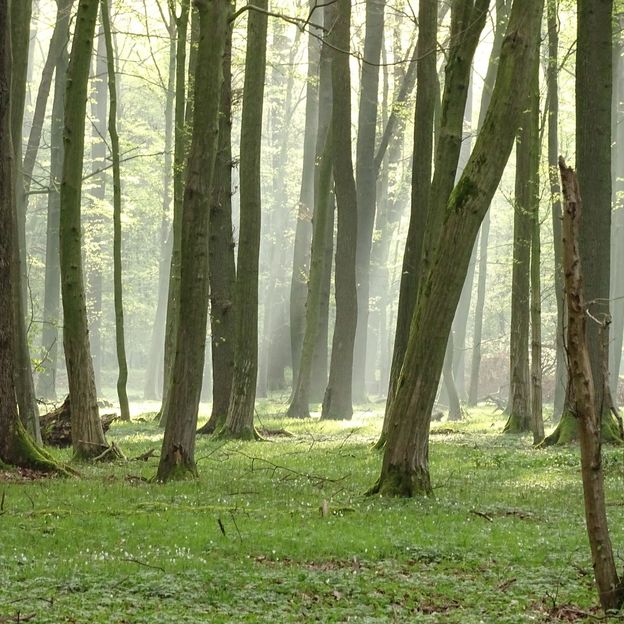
(280,532)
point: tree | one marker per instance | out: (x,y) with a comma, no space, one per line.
(405,468)
(87,436)
(593,162)
(177,458)
(16,445)
(120,342)
(239,421)
(366,179)
(337,402)
(46,382)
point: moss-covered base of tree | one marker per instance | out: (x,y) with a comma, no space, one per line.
(517,424)
(215,422)
(567,431)
(176,465)
(97,452)
(23,452)
(394,481)
(380,445)
(246,433)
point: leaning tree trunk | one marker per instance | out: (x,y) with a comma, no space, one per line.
(122,378)
(610,588)
(337,402)
(87,436)
(405,468)
(46,382)
(240,416)
(16,445)
(177,459)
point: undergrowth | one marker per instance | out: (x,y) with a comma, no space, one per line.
(279,531)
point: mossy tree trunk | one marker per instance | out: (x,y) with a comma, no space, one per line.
(46,381)
(502,17)
(588,414)
(526,204)
(405,468)
(240,417)
(87,436)
(177,459)
(337,401)
(366,184)
(20,45)
(16,444)
(221,263)
(593,158)
(120,343)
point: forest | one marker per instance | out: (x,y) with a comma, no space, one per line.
(311,310)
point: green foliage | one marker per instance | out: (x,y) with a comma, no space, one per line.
(280,531)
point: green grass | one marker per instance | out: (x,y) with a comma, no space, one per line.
(503,540)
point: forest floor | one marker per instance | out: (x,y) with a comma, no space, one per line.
(280,531)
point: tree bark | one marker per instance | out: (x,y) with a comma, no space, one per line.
(405,468)
(240,416)
(87,436)
(337,402)
(120,343)
(610,588)
(177,459)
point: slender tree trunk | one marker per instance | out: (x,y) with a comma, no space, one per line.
(87,436)
(552,79)
(610,589)
(177,459)
(303,229)
(240,416)
(426,81)
(179,176)
(120,342)
(455,410)
(46,382)
(366,184)
(502,17)
(153,382)
(405,468)
(221,263)
(337,402)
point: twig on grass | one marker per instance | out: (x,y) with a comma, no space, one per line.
(142,563)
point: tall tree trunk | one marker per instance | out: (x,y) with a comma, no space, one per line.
(552,79)
(46,382)
(179,178)
(20,27)
(152,385)
(502,17)
(16,445)
(87,436)
(177,459)
(426,81)
(95,218)
(527,165)
(337,402)
(122,378)
(366,184)
(239,421)
(405,468)
(221,262)
(610,588)
(303,229)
